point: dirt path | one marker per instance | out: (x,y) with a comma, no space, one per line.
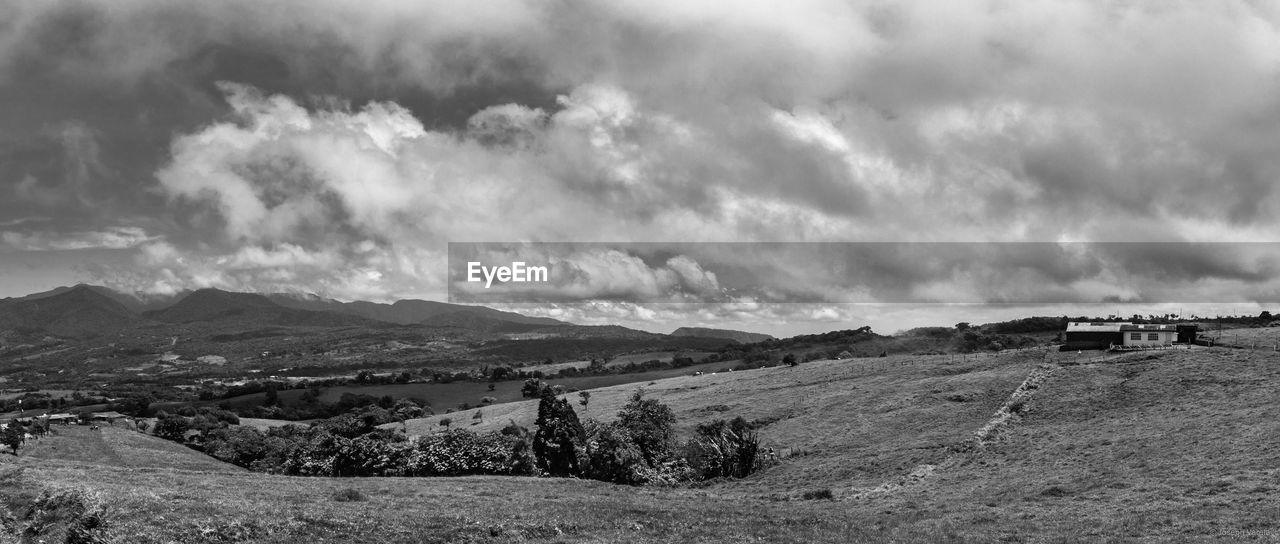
(1007,415)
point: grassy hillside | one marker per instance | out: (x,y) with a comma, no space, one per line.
(117,446)
(840,423)
(1161,446)
(1166,446)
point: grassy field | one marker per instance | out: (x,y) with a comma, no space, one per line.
(443,396)
(663,356)
(1259,338)
(1162,446)
(843,423)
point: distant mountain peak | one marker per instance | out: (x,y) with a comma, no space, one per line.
(76,312)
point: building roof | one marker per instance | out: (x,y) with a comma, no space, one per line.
(1095,327)
(1152,328)
(1122,326)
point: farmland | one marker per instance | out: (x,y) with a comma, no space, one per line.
(443,396)
(1154,446)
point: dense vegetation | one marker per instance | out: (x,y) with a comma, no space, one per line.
(639,448)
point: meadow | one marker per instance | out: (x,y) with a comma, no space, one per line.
(1161,446)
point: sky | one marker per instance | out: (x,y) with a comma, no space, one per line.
(337,147)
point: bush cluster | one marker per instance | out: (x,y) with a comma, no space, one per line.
(638,448)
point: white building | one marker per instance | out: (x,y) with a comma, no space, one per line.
(1148,335)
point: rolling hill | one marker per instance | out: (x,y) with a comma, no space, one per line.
(1166,446)
(76,312)
(407,312)
(137,302)
(248,309)
(740,337)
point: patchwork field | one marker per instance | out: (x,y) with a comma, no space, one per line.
(1163,446)
(444,396)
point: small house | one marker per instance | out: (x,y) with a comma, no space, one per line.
(62,418)
(109,417)
(1148,335)
(1104,335)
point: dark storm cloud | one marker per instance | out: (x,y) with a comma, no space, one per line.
(337,146)
(877,272)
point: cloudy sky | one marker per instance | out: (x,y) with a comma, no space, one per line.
(337,147)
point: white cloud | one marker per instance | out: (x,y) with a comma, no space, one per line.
(110,238)
(817,120)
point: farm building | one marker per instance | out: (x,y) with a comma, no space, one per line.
(1148,335)
(1092,335)
(109,417)
(1103,335)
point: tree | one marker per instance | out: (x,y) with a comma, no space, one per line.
(171,427)
(446,422)
(273,397)
(13,436)
(790,360)
(407,409)
(560,436)
(136,405)
(651,426)
(585,398)
(533,388)
(962,326)
(40,426)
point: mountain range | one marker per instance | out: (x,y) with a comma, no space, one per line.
(78,312)
(89,311)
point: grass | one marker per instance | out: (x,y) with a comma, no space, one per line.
(861,420)
(1175,446)
(1253,338)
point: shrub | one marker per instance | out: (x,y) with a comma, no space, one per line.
(462,452)
(824,494)
(726,449)
(613,457)
(80,515)
(650,424)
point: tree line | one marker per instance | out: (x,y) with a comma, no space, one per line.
(639,448)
